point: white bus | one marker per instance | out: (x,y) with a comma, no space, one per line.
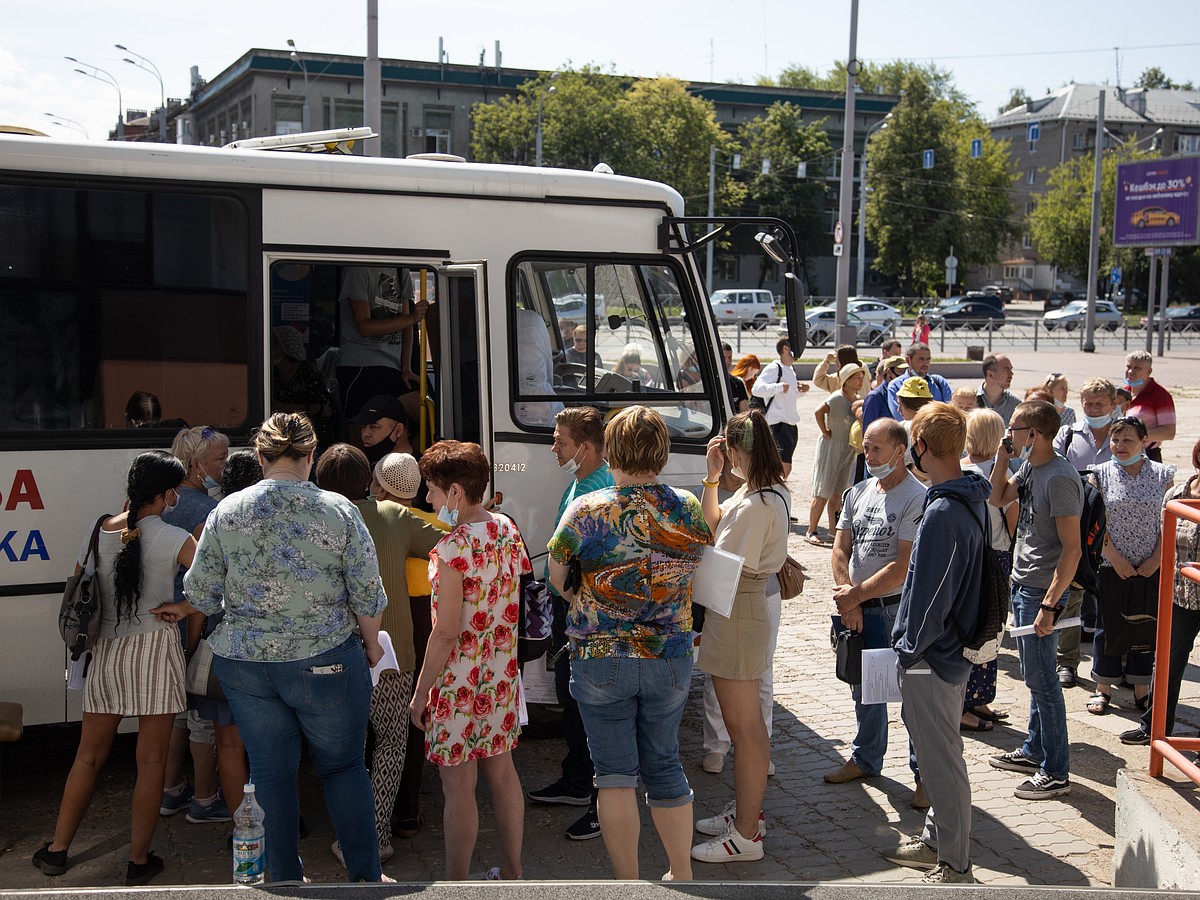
(160,268)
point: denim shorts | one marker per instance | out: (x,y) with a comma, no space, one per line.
(631,709)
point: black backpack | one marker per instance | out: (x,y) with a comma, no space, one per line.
(1093,525)
(993,591)
(758,402)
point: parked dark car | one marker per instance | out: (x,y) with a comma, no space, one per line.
(1181,318)
(994,300)
(971,314)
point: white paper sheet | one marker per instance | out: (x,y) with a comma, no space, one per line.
(387,661)
(715,580)
(881,681)
(1024,630)
(77,672)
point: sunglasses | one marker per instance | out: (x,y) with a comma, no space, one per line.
(1133,422)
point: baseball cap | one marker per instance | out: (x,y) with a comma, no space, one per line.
(898,363)
(915,388)
(381,406)
(399,474)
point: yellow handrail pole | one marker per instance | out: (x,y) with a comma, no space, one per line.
(423,441)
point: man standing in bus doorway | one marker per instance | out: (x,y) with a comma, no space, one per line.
(579,448)
(377,318)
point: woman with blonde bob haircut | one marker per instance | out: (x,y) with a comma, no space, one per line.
(985,430)
(295,570)
(634,547)
(753,524)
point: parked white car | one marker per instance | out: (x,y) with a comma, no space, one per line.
(872,309)
(750,308)
(1074,315)
(574,307)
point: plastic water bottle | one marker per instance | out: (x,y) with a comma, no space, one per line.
(249,841)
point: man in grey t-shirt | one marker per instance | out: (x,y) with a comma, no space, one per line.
(875,536)
(1047,552)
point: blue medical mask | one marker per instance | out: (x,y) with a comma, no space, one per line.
(1132,461)
(1098,421)
(1135,384)
(210,483)
(1025,451)
(448,516)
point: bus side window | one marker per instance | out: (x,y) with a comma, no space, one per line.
(624,336)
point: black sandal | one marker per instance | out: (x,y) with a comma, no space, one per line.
(1143,702)
(1098,703)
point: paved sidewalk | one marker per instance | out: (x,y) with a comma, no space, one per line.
(816,831)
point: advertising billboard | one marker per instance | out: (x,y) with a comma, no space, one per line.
(1158,202)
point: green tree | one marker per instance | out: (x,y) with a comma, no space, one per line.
(914,215)
(650,128)
(1016,97)
(581,121)
(873,77)
(1061,223)
(1154,77)
(669,135)
(784,140)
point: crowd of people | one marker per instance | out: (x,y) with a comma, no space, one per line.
(338,606)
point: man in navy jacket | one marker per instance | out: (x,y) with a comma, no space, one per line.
(940,604)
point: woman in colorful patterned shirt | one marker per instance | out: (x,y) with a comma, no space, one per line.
(1133,487)
(630,625)
(466,698)
(295,571)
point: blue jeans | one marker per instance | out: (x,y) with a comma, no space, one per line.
(870,742)
(278,702)
(631,710)
(1047,739)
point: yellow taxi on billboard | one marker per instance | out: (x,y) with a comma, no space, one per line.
(1154,217)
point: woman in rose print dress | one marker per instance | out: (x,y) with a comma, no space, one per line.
(466,695)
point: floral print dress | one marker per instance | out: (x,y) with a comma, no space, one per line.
(476,701)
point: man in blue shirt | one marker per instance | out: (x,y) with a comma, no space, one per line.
(875,406)
(918,358)
(579,448)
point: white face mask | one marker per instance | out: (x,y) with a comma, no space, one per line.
(738,472)
(883,471)
(169,507)
(571,466)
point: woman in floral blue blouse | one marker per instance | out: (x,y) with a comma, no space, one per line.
(295,570)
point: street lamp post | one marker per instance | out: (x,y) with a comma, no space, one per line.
(862,206)
(299,60)
(846,334)
(541,95)
(64,122)
(110,80)
(142,63)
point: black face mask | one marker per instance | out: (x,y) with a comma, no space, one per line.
(376,452)
(916,457)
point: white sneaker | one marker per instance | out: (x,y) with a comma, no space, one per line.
(719,824)
(730,847)
(771,769)
(713,763)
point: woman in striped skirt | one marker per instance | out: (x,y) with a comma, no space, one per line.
(137,664)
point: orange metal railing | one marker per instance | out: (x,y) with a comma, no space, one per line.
(1162,746)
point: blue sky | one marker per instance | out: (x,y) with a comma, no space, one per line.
(990,48)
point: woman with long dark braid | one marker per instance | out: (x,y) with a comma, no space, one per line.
(137,664)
